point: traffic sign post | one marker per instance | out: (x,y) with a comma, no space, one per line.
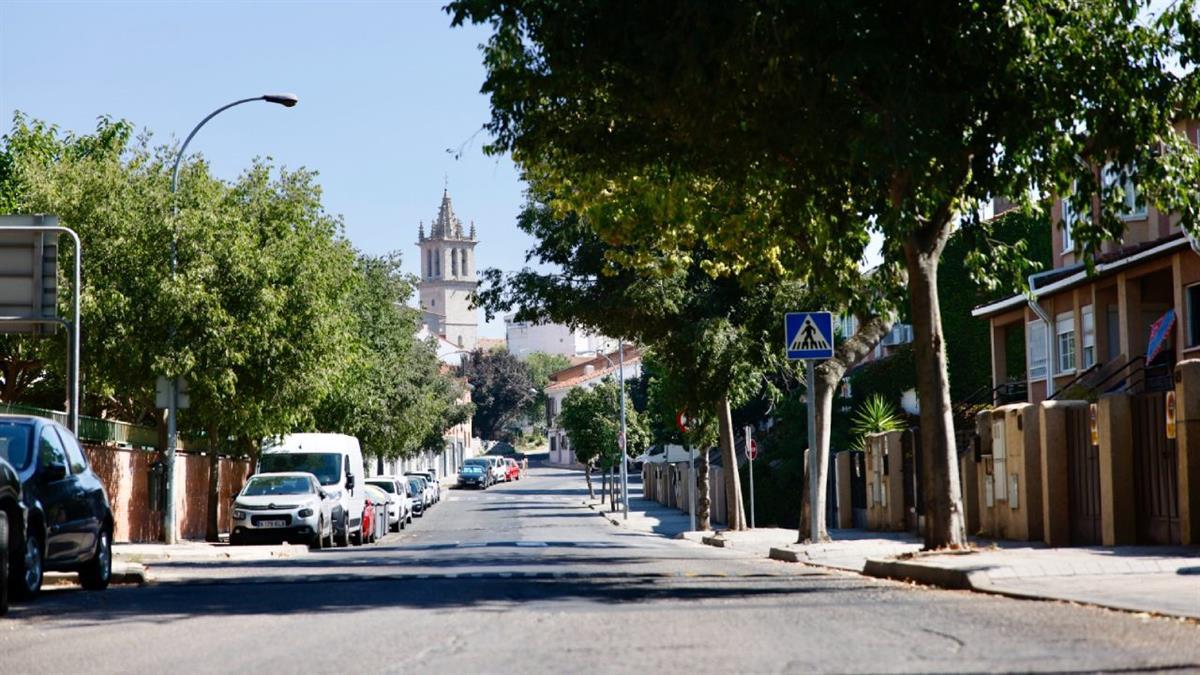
(808,336)
(751,455)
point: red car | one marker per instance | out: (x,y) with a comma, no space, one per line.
(368,523)
(512,470)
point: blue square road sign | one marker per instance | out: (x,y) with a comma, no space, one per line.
(808,335)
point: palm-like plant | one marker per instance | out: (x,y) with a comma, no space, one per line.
(876,415)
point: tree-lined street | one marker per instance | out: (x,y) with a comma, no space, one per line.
(525,578)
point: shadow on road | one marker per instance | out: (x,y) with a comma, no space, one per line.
(176,602)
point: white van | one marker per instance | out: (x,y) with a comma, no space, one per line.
(336,461)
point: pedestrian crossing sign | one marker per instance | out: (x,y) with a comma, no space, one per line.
(808,335)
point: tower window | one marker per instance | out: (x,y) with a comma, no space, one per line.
(453,262)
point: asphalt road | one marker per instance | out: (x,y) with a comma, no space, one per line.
(522,578)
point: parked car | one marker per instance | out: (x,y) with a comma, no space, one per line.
(377,503)
(416,485)
(63,521)
(426,488)
(512,470)
(336,461)
(399,503)
(475,473)
(368,519)
(10,513)
(435,488)
(286,506)
(498,469)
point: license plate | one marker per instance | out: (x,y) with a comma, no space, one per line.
(273,523)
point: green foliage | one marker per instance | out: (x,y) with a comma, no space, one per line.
(591,418)
(274,320)
(541,366)
(876,415)
(501,390)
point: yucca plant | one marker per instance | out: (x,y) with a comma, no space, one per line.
(876,415)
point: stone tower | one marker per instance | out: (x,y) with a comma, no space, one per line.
(448,277)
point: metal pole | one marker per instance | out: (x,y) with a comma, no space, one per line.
(624,439)
(810,379)
(750,459)
(172,382)
(691,488)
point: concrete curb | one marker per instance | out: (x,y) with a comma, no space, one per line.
(123,573)
(719,542)
(213,554)
(932,575)
(785,555)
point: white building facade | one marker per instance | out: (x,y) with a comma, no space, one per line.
(588,374)
(524,338)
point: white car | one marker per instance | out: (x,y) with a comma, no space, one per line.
(286,506)
(499,470)
(427,490)
(435,486)
(399,503)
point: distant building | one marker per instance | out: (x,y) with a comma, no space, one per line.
(525,338)
(588,373)
(448,278)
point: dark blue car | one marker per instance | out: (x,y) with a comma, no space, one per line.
(62,521)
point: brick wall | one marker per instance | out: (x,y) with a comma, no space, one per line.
(126,478)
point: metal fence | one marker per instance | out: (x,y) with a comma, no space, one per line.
(94,429)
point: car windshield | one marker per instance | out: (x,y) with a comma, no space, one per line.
(15,444)
(415,485)
(385,485)
(326,466)
(260,486)
(472,468)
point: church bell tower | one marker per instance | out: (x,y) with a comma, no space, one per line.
(448,277)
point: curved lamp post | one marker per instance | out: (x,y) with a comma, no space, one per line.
(288,101)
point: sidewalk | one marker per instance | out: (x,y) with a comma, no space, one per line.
(1157,579)
(199,551)
(1161,580)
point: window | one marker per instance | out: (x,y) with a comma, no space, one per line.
(74,452)
(1193,315)
(1064,334)
(1130,208)
(50,449)
(1088,319)
(453,262)
(1037,349)
(429,263)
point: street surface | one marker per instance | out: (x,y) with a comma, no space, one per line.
(524,578)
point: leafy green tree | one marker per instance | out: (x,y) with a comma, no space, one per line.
(501,389)
(845,119)
(591,418)
(541,366)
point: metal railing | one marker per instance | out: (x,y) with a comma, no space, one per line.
(94,429)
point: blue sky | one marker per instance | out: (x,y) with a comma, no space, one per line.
(385,89)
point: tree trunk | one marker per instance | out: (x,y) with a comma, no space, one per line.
(587,475)
(829,374)
(735,512)
(212,529)
(944,526)
(703,522)
(603,484)
(825,386)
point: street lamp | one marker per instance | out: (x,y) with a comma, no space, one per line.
(624,439)
(287,101)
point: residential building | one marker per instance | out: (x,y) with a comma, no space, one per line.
(524,338)
(1092,332)
(448,277)
(588,373)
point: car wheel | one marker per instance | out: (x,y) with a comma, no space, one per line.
(4,548)
(344,538)
(318,539)
(97,572)
(356,538)
(27,575)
